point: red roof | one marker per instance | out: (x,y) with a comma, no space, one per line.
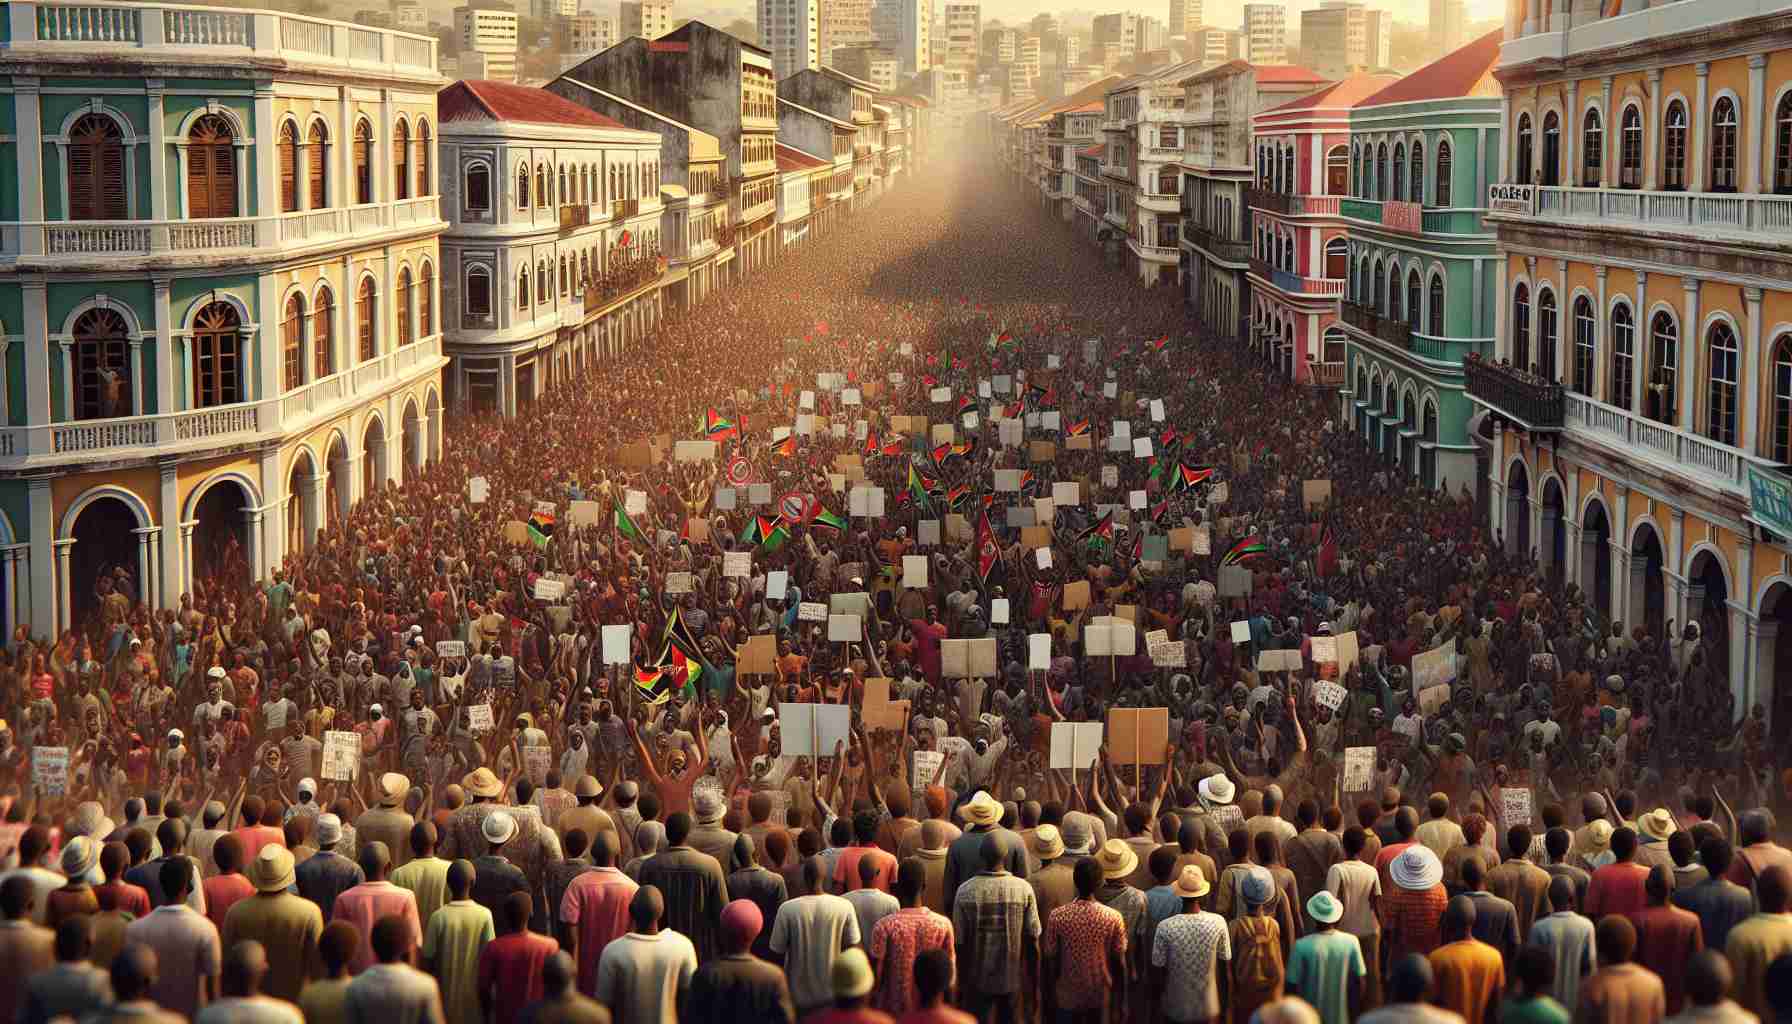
(1087,108)
(796,160)
(1267,74)
(1466,72)
(661,46)
(482,100)
(1347,92)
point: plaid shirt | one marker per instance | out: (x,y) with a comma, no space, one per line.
(1411,919)
(993,915)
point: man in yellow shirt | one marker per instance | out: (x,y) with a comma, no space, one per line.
(1469,973)
(1761,938)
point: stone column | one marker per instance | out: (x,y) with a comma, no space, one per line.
(1699,115)
(1687,372)
(1752,379)
(1758,119)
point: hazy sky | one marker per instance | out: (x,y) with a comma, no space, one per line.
(1227,13)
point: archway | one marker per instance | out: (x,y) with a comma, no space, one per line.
(432,411)
(1518,510)
(1552,549)
(1772,685)
(221,539)
(1646,597)
(413,442)
(301,520)
(105,544)
(338,488)
(1595,557)
(373,457)
(1707,603)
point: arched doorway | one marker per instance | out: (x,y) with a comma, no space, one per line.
(432,411)
(1595,556)
(337,488)
(1552,550)
(301,523)
(1772,685)
(1518,510)
(1428,453)
(1707,603)
(221,539)
(105,545)
(373,457)
(413,441)
(1646,598)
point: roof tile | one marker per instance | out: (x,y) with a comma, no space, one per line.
(476,99)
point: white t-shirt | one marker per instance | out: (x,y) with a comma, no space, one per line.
(809,933)
(647,972)
(1354,883)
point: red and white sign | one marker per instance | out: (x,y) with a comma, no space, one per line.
(1407,218)
(740,471)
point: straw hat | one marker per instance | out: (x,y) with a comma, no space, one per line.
(1048,843)
(982,809)
(1192,883)
(851,975)
(1116,859)
(1599,836)
(393,787)
(481,784)
(79,856)
(1218,789)
(1416,868)
(271,870)
(587,787)
(1657,824)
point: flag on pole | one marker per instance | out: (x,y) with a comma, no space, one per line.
(1101,534)
(718,427)
(987,550)
(1250,547)
(830,520)
(625,525)
(917,489)
(786,447)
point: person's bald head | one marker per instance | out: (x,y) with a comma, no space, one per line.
(646,909)
(1459,918)
(1614,939)
(814,870)
(933,835)
(1410,979)
(1708,977)
(1773,889)
(245,964)
(558,974)
(1659,884)
(134,973)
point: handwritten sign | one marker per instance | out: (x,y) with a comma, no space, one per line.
(1515,806)
(812,611)
(737,564)
(549,590)
(1325,651)
(616,644)
(479,716)
(679,582)
(49,769)
(1359,768)
(478,490)
(536,761)
(451,648)
(342,755)
(927,765)
(1328,695)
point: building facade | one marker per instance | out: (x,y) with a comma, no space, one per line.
(792,31)
(587,34)
(1644,277)
(1447,25)
(553,259)
(488,40)
(1117,33)
(221,305)
(962,36)
(1184,17)
(1420,297)
(1333,38)
(1266,33)
(649,19)
(905,28)
(1144,131)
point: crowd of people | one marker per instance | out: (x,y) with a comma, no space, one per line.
(411,779)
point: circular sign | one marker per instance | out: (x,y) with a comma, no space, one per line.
(740,471)
(797,507)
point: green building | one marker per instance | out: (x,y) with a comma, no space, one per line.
(1421,294)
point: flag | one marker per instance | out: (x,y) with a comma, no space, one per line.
(541,527)
(1158,345)
(717,427)
(917,489)
(786,447)
(774,538)
(966,403)
(1101,534)
(940,452)
(684,671)
(1079,428)
(965,449)
(1027,479)
(1328,549)
(750,535)
(653,685)
(830,520)
(1250,547)
(1158,510)
(1157,469)
(625,525)
(1187,477)
(894,447)
(987,551)
(870,442)
(1168,439)
(958,494)
(536,537)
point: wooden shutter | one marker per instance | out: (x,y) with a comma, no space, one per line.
(404,307)
(211,169)
(315,163)
(425,300)
(323,324)
(364,319)
(83,195)
(289,168)
(363,163)
(401,162)
(96,188)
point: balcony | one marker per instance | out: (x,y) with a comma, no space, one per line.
(1156,253)
(1292,206)
(1698,214)
(200,429)
(1264,199)
(1668,447)
(1325,375)
(574,217)
(622,209)
(1397,333)
(627,275)
(1524,398)
(1217,245)
(1160,202)
(172,31)
(63,242)
(1294,284)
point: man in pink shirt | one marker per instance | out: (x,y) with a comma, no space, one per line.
(594,910)
(373,899)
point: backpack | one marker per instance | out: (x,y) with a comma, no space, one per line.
(1258,959)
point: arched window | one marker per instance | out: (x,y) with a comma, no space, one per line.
(216,345)
(1664,369)
(1592,148)
(1415,309)
(1526,145)
(563,184)
(1781,439)
(1782,146)
(1399,172)
(366,317)
(426,185)
(211,169)
(102,366)
(542,197)
(614,191)
(1673,148)
(1630,149)
(317,152)
(1288,183)
(1623,356)
(1381,172)
(292,342)
(1337,259)
(543,287)
(1723,145)
(1582,377)
(96,185)
(563,276)
(1720,412)
(1394,293)
(1435,319)
(522,187)
(1440,192)
(1521,326)
(288,149)
(1381,289)
(522,289)
(426,301)
(1547,333)
(1337,171)
(477,196)
(1552,149)
(401,161)
(1364,291)
(1417,190)
(323,335)
(1288,263)
(363,162)
(403,299)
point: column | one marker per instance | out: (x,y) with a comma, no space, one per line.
(1639,346)
(382,152)
(1608,140)
(314,515)
(14,592)
(64,586)
(1502,307)
(1507,133)
(1688,370)
(266,153)
(1699,115)
(385,312)
(145,584)
(257,543)
(1763,638)
(273,498)
(164,350)
(1533,19)
(27,112)
(172,572)
(67,346)
(42,614)
(1570,170)
(37,361)
(1652,141)
(1530,263)
(1757,120)
(341,192)
(1751,374)
(136,376)
(1620,538)
(1638,589)
(158,166)
(1564,321)
(186,555)
(269,364)
(1602,356)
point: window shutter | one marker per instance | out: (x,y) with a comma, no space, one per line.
(289,169)
(401,163)
(323,324)
(83,200)
(314,167)
(199,192)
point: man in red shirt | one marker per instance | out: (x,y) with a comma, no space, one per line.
(510,965)
(1667,937)
(252,833)
(594,910)
(846,869)
(933,975)
(1617,888)
(223,890)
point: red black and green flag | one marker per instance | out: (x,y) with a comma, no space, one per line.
(786,447)
(541,527)
(1101,534)
(1250,547)
(917,489)
(1187,477)
(1158,345)
(827,519)
(719,428)
(1079,428)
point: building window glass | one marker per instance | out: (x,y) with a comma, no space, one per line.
(1552,149)
(1440,193)
(401,161)
(365,320)
(96,186)
(1521,327)
(289,167)
(363,162)
(1720,414)
(1592,149)
(1782,399)
(1547,334)
(1673,148)
(1435,326)
(292,342)
(102,366)
(1525,144)
(323,334)
(216,346)
(1583,346)
(1630,150)
(1664,368)
(317,151)
(1623,356)
(211,169)
(1399,172)
(403,299)
(1723,145)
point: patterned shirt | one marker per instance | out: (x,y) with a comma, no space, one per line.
(1083,935)
(1188,946)
(895,943)
(1412,919)
(993,915)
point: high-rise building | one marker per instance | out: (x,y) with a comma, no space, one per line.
(587,34)
(1185,17)
(963,30)
(1118,32)
(998,45)
(1029,55)
(1378,39)
(1070,49)
(1332,38)
(1266,33)
(489,32)
(548,10)
(1213,45)
(1449,23)
(1153,34)
(1047,28)
(872,64)
(410,16)
(845,24)
(791,29)
(648,19)
(905,28)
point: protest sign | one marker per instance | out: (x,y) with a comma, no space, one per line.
(812,611)
(1074,745)
(1278,661)
(998,612)
(737,564)
(1043,556)
(679,582)
(1066,493)
(726,499)
(634,502)
(813,730)
(1138,735)
(1325,649)
(1076,595)
(777,584)
(1433,667)
(1328,694)
(342,755)
(845,629)
(451,648)
(759,494)
(1241,631)
(478,490)
(1039,652)
(49,770)
(694,451)
(927,533)
(914,572)
(1359,766)
(1515,806)
(616,645)
(927,765)
(1315,493)
(549,590)
(759,655)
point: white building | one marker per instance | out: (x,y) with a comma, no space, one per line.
(845,25)
(587,34)
(1266,33)
(1378,39)
(963,24)
(487,42)
(1448,25)
(1334,38)
(410,16)
(648,19)
(553,258)
(1143,126)
(548,10)
(1185,17)
(791,29)
(1117,32)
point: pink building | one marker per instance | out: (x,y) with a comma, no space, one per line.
(1300,252)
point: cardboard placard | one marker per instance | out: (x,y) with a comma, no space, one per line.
(865,501)
(616,644)
(1039,652)
(478,490)
(634,502)
(845,629)
(1076,595)
(638,455)
(697,529)
(1328,695)
(451,648)
(943,433)
(1325,651)
(856,603)
(927,533)
(1138,735)
(549,590)
(879,711)
(1041,451)
(759,656)
(49,770)
(914,571)
(759,494)
(1157,410)
(1348,653)
(1066,492)
(1241,631)
(726,499)
(812,611)
(1166,653)
(1432,698)
(1434,667)
(1039,537)
(998,612)
(958,528)
(737,564)
(806,401)
(679,582)
(694,451)
(1314,493)
(1141,448)
(1515,806)
(1109,636)
(803,728)
(1218,493)
(1075,745)
(940,396)
(1081,443)
(1359,768)
(341,755)
(1278,661)
(515,533)
(1043,556)
(777,584)
(850,396)
(927,765)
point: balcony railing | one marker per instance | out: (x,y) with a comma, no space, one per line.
(1294,284)
(1701,457)
(1693,212)
(75,29)
(1264,199)
(195,429)
(1325,375)
(1168,253)
(1528,400)
(78,240)
(1397,333)
(627,273)
(621,209)
(1161,202)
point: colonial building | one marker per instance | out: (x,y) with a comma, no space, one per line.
(553,260)
(1218,105)
(803,185)
(218,285)
(845,99)
(1640,431)
(1143,129)
(1420,296)
(1299,248)
(820,137)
